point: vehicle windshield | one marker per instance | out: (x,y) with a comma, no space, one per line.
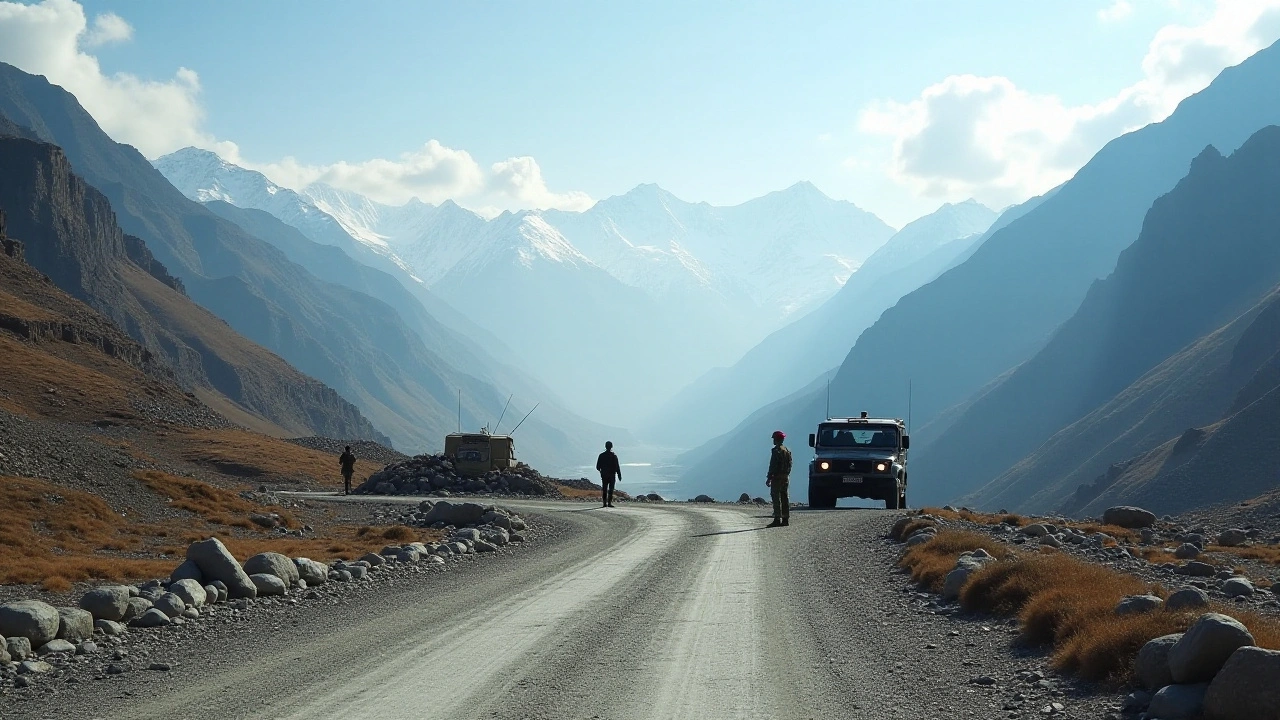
(860,437)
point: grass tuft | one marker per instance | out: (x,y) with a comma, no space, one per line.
(930,562)
(399,533)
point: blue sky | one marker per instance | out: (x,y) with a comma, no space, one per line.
(715,101)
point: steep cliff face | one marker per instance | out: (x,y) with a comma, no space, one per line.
(68,231)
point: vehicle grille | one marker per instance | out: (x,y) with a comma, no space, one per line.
(852,466)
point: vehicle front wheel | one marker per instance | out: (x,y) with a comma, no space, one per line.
(819,499)
(902,501)
(891,502)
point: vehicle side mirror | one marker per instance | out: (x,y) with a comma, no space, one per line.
(813,440)
(906,442)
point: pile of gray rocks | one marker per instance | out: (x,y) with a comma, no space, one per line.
(38,639)
(436,475)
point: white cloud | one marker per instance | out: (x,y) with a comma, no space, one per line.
(984,137)
(1116,11)
(108,28)
(157,117)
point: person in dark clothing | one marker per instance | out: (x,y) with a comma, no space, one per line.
(348,463)
(610,473)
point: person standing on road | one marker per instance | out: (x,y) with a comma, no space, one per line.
(610,473)
(778,479)
(348,463)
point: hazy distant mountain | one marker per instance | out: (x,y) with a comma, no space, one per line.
(1182,280)
(674,287)
(955,335)
(355,344)
(70,234)
(793,356)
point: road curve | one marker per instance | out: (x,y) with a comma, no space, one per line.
(659,611)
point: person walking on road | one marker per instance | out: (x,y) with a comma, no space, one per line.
(348,463)
(778,479)
(610,473)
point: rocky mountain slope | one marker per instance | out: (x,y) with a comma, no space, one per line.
(1181,279)
(348,340)
(68,230)
(957,334)
(816,343)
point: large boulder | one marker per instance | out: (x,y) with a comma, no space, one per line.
(272,563)
(1191,598)
(268,584)
(110,628)
(704,499)
(1205,647)
(170,604)
(1152,665)
(106,603)
(1128,517)
(1195,568)
(1247,686)
(191,592)
(74,624)
(1187,551)
(217,563)
(19,648)
(451,513)
(312,572)
(188,570)
(1238,587)
(30,619)
(1178,702)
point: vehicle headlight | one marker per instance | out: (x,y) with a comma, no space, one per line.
(882,466)
(824,465)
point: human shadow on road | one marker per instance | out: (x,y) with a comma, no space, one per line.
(577,510)
(728,532)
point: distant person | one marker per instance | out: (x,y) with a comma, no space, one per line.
(778,479)
(610,473)
(348,463)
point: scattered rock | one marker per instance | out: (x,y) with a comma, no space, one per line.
(137,606)
(1233,538)
(150,619)
(1205,647)
(1195,568)
(159,667)
(1247,686)
(1128,517)
(1152,665)
(217,563)
(1186,551)
(188,570)
(312,572)
(1188,599)
(451,513)
(110,628)
(374,559)
(170,604)
(210,594)
(19,648)
(34,667)
(704,499)
(1035,530)
(268,584)
(88,647)
(106,603)
(116,669)
(1134,604)
(1178,702)
(30,619)
(1238,587)
(271,563)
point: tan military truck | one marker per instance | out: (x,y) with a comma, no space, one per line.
(474,454)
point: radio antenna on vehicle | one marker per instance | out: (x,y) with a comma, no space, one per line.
(504,413)
(908,405)
(828,397)
(459,410)
(526,417)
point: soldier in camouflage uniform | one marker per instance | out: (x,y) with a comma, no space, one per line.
(778,480)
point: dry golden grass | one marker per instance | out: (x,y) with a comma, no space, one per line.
(930,562)
(55,536)
(572,492)
(1262,553)
(1022,521)
(209,502)
(1106,652)
(244,454)
(1158,556)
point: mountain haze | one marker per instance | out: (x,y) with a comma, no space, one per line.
(998,308)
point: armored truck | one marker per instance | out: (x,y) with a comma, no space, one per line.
(859,457)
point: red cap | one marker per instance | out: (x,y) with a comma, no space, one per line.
(779,434)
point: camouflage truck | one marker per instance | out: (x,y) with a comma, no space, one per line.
(859,457)
(474,454)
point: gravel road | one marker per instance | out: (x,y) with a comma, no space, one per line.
(658,611)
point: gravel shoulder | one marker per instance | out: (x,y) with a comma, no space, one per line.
(671,611)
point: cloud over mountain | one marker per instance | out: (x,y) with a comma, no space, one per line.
(988,138)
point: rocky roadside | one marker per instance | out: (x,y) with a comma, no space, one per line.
(1212,670)
(121,630)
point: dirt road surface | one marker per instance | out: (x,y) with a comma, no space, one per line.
(642,611)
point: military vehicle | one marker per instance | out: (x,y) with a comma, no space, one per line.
(859,457)
(474,454)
